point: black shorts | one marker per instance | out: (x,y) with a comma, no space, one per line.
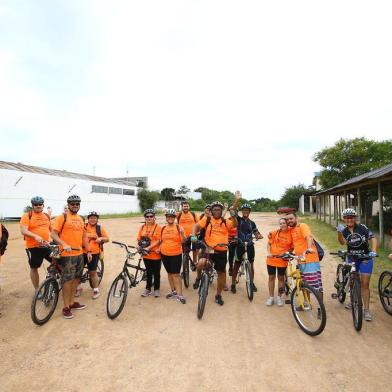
(241,250)
(220,260)
(37,255)
(272,270)
(93,264)
(172,264)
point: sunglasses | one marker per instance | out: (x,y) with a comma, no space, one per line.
(349,217)
(170,216)
(149,216)
(74,204)
(37,205)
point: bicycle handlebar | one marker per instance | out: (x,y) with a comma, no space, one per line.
(138,249)
(344,253)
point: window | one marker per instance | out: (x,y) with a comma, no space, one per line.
(129,192)
(116,191)
(99,189)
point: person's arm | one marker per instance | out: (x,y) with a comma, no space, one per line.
(55,236)
(341,239)
(374,244)
(256,232)
(26,232)
(309,243)
(196,229)
(182,234)
(85,243)
(236,200)
(104,238)
(269,249)
(224,212)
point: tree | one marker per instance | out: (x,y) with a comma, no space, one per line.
(349,158)
(147,199)
(291,195)
(167,194)
(183,189)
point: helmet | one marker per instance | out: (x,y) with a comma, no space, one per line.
(216,204)
(93,213)
(149,211)
(170,212)
(73,198)
(349,212)
(37,200)
(246,206)
(144,242)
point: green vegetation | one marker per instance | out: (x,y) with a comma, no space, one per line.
(147,199)
(291,195)
(124,215)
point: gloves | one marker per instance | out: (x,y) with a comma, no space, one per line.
(372,254)
(340,228)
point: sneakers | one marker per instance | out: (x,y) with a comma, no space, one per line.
(279,301)
(196,284)
(219,300)
(181,298)
(78,292)
(233,289)
(254,287)
(67,313)
(172,294)
(225,288)
(96,294)
(157,293)
(367,315)
(348,305)
(77,306)
(270,301)
(146,293)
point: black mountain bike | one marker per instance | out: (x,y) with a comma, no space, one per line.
(245,269)
(187,262)
(385,291)
(118,292)
(348,281)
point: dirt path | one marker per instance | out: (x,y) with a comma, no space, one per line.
(159,345)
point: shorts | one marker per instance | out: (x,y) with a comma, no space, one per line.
(363,266)
(71,267)
(37,255)
(220,260)
(272,270)
(172,264)
(241,250)
(311,274)
(93,264)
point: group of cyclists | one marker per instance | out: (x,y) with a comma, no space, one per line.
(81,244)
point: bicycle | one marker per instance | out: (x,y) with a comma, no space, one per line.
(206,278)
(246,269)
(46,297)
(385,291)
(348,280)
(118,292)
(187,262)
(86,275)
(306,305)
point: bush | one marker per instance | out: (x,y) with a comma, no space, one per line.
(147,199)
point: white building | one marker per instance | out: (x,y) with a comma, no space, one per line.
(19,182)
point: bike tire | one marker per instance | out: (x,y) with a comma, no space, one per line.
(384,291)
(100,270)
(117,296)
(341,293)
(356,302)
(45,298)
(249,281)
(307,317)
(203,293)
(185,269)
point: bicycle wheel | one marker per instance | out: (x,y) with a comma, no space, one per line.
(185,269)
(249,280)
(385,291)
(340,289)
(100,269)
(117,296)
(308,310)
(203,293)
(45,301)
(287,283)
(356,302)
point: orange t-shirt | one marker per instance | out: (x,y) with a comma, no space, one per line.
(280,242)
(92,235)
(72,233)
(153,232)
(299,234)
(171,244)
(39,224)
(217,232)
(187,222)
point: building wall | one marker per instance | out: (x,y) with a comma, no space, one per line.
(17,188)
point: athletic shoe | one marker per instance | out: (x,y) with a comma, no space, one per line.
(367,315)
(172,294)
(146,293)
(233,289)
(219,300)
(96,294)
(181,298)
(67,313)
(77,306)
(270,301)
(78,292)
(254,287)
(225,288)
(196,284)
(157,293)
(279,301)
(348,305)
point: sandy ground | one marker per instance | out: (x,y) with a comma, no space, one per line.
(160,345)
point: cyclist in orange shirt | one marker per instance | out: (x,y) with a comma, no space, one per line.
(69,232)
(186,219)
(35,226)
(172,238)
(279,242)
(149,238)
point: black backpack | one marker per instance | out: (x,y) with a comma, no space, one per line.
(3,239)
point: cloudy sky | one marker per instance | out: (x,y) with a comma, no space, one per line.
(224,94)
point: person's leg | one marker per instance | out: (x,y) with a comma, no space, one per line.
(220,261)
(35,258)
(77,265)
(231,258)
(149,270)
(177,281)
(92,269)
(157,274)
(34,276)
(365,280)
(281,275)
(236,267)
(221,282)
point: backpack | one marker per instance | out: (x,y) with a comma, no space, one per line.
(203,231)
(3,239)
(193,214)
(97,228)
(320,250)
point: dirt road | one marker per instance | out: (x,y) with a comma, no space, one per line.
(159,345)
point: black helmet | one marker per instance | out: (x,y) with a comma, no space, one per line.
(216,204)
(37,200)
(74,198)
(144,242)
(246,206)
(93,213)
(149,211)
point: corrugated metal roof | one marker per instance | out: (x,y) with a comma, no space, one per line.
(60,173)
(372,175)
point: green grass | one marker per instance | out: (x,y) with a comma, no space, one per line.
(327,236)
(125,215)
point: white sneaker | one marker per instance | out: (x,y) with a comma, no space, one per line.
(348,305)
(270,301)
(279,301)
(367,315)
(96,294)
(79,290)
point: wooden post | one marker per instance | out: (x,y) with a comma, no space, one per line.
(329,210)
(336,211)
(380,214)
(344,206)
(324,209)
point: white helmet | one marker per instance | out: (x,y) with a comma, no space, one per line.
(349,212)
(170,212)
